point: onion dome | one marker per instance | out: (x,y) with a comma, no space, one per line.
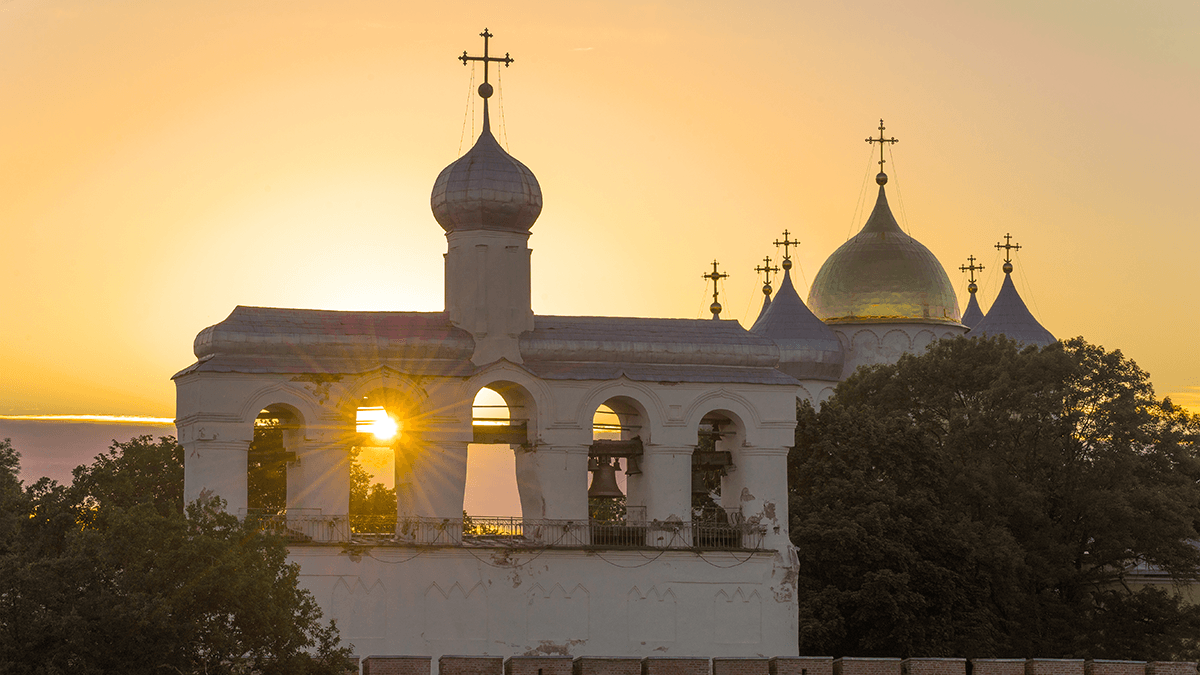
(882,275)
(486,189)
(808,349)
(1008,316)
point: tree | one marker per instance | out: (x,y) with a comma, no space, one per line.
(101,581)
(985,500)
(372,500)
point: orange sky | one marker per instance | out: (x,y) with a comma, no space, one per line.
(161,163)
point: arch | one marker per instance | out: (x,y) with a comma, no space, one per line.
(731,402)
(922,340)
(401,389)
(276,442)
(298,399)
(639,396)
(521,394)
(894,343)
(519,390)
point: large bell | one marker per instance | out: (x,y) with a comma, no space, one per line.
(604,481)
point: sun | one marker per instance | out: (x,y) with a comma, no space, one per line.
(377,422)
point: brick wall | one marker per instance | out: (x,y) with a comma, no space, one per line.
(1054,667)
(1171,668)
(997,666)
(674,665)
(538,665)
(396,665)
(933,667)
(801,665)
(740,666)
(849,665)
(607,665)
(471,665)
(1107,667)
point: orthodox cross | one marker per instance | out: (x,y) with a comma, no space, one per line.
(972,268)
(881,140)
(716,276)
(766,269)
(787,259)
(1008,247)
(485,89)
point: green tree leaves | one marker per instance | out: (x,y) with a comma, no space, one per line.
(109,575)
(982,500)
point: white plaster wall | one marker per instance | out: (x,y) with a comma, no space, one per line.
(875,343)
(396,600)
(488,290)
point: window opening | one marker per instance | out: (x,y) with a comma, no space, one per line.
(378,432)
(266,463)
(491,490)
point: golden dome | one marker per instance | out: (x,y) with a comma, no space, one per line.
(882,275)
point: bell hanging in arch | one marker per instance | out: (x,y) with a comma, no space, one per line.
(604,480)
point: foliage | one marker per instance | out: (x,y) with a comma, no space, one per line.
(366,498)
(266,477)
(983,500)
(97,580)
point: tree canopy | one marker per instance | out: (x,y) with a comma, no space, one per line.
(989,501)
(109,574)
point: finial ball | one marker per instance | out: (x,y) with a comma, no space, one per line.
(715,308)
(787,263)
(1008,268)
(971,287)
(485,90)
(881,178)
(766,289)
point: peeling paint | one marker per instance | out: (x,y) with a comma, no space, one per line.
(548,648)
(769,510)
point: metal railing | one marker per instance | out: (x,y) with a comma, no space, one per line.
(483,531)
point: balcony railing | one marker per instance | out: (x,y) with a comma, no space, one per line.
(475,531)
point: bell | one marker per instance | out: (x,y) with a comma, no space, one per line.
(604,482)
(632,466)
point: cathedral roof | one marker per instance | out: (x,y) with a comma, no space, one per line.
(486,189)
(882,275)
(973,315)
(808,349)
(1008,316)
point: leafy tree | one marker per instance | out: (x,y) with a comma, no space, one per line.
(99,581)
(985,500)
(367,498)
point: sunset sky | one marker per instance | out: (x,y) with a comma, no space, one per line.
(162,162)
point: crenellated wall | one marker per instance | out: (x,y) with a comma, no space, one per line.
(760,665)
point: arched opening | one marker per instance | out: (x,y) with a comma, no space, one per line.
(716,490)
(274,444)
(497,425)
(614,461)
(379,421)
(615,507)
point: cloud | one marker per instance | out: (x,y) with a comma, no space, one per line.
(94,419)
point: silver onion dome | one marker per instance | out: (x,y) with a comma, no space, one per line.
(486,189)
